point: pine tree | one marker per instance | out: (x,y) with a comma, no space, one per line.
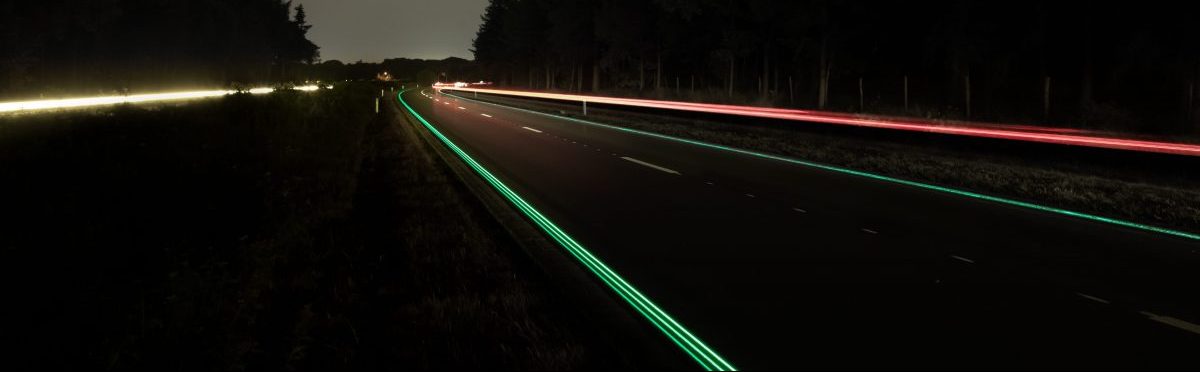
(304,50)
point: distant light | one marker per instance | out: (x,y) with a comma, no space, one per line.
(261,90)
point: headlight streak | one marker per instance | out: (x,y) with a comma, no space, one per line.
(879,177)
(997,131)
(689,343)
(137,98)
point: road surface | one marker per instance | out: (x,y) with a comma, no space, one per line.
(780,265)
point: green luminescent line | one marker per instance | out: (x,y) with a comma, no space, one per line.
(598,268)
(1134,225)
(680,336)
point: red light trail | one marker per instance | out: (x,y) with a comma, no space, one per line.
(1063,136)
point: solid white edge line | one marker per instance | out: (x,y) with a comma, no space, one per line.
(668,170)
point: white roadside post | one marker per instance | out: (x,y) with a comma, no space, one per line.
(584,108)
(376,105)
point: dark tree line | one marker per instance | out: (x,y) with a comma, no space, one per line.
(71,46)
(1090,64)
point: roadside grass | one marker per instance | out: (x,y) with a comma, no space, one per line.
(1110,185)
(291,231)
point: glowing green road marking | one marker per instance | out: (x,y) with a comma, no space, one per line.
(625,290)
(927,186)
(689,343)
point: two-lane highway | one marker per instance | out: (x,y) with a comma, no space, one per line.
(778,264)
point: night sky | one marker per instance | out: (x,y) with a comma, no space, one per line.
(372,30)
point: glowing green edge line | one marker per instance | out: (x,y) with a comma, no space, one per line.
(996,199)
(623,288)
(689,343)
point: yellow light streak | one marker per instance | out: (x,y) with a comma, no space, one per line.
(51,104)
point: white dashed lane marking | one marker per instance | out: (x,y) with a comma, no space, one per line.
(668,170)
(532,130)
(963,259)
(1093,298)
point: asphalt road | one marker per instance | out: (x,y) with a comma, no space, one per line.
(778,265)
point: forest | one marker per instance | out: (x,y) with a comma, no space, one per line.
(55,47)
(1096,65)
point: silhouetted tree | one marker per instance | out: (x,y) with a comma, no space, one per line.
(489,46)
(302,49)
(72,47)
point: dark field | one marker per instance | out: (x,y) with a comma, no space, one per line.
(1159,190)
(292,231)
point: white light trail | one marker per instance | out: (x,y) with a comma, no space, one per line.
(137,98)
